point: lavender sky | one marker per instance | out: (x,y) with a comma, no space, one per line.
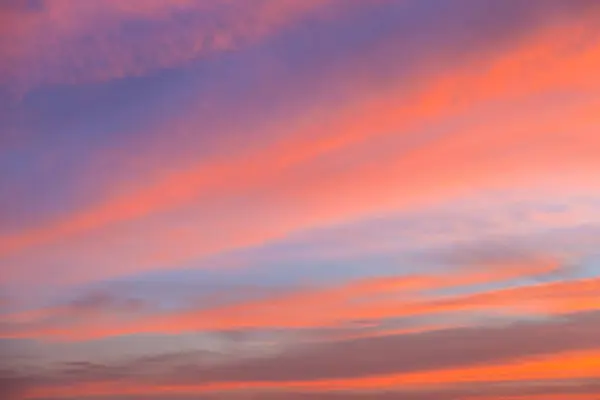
(300,199)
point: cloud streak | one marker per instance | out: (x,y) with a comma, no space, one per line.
(53,43)
(372,300)
(300,172)
(296,199)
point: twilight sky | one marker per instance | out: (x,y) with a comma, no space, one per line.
(300,199)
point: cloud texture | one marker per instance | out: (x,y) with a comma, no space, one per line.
(299,199)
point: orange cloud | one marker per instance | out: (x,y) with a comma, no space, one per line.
(531,143)
(494,120)
(324,309)
(548,396)
(582,365)
(369,299)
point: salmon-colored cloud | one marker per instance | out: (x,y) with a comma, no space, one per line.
(424,113)
(528,144)
(546,396)
(581,366)
(62,42)
(450,361)
(326,310)
(368,300)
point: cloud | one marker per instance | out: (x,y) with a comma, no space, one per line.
(414,352)
(105,307)
(11,388)
(25,6)
(370,300)
(523,391)
(544,369)
(65,42)
(398,195)
(446,358)
(310,192)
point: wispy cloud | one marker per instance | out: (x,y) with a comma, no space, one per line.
(299,199)
(65,42)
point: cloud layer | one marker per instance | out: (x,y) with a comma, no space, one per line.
(293,199)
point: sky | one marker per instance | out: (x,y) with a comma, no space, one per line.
(299,199)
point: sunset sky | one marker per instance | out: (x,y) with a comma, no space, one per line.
(300,199)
